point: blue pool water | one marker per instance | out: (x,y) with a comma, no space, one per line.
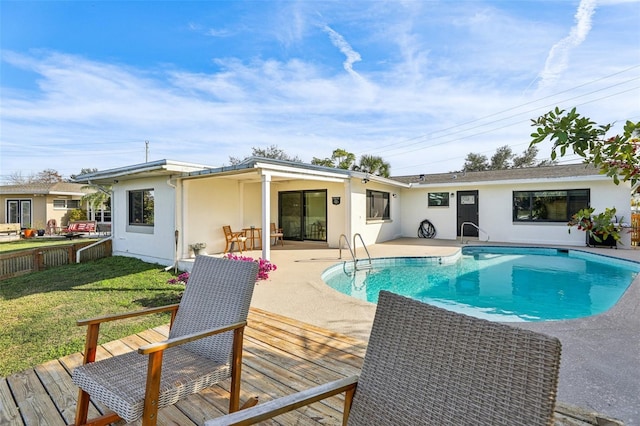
(496,283)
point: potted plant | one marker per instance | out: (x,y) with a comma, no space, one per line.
(600,229)
(29,232)
(197,247)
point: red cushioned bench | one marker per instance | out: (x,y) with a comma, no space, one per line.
(79,228)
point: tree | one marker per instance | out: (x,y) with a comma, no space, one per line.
(475,163)
(502,158)
(45,176)
(527,159)
(340,159)
(617,156)
(84,171)
(326,162)
(374,165)
(270,152)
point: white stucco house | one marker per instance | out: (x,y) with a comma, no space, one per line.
(160,208)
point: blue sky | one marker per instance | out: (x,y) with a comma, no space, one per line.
(419,83)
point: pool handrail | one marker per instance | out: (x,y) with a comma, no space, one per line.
(352,250)
(355,263)
(475,226)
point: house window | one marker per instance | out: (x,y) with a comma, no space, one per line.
(378,207)
(548,206)
(66,204)
(438,199)
(141,207)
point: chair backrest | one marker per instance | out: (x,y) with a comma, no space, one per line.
(227,231)
(425,365)
(218,293)
(273,228)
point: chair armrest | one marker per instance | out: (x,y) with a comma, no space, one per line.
(285,404)
(169,343)
(99,320)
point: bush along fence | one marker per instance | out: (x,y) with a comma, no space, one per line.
(24,261)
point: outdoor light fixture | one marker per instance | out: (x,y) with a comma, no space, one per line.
(365,180)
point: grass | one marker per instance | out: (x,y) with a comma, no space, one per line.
(40,309)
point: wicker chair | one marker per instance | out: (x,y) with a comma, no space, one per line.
(204,347)
(428,366)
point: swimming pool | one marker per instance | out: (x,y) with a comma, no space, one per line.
(496,283)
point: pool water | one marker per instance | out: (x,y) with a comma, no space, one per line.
(496,283)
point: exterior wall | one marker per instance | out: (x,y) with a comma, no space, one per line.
(375,231)
(41,208)
(495,212)
(60,215)
(209,204)
(157,245)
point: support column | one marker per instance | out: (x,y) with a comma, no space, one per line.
(266,217)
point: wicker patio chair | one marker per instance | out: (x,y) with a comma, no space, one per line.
(203,348)
(428,366)
(231,237)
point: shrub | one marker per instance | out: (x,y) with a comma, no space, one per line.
(264,267)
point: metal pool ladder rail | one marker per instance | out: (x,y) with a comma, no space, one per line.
(475,226)
(352,251)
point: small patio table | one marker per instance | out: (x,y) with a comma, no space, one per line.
(254,237)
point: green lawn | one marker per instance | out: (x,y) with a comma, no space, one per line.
(40,309)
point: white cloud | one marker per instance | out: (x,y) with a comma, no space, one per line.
(351,55)
(558,59)
(424,102)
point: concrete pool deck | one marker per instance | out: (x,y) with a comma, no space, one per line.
(600,367)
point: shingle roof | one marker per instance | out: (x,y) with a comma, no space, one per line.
(44,188)
(546,172)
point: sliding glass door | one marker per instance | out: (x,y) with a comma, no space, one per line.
(19,211)
(302,215)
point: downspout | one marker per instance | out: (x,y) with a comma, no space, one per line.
(175,227)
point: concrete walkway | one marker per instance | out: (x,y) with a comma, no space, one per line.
(600,368)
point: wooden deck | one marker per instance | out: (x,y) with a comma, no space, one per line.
(281,356)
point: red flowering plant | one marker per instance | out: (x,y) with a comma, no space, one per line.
(264,266)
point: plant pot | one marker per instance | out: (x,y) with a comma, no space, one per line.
(29,233)
(607,242)
(40,232)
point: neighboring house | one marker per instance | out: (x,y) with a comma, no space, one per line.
(34,204)
(161,207)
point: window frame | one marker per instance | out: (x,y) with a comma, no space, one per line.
(133,215)
(440,195)
(573,203)
(372,196)
(66,204)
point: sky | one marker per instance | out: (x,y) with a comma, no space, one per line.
(106,84)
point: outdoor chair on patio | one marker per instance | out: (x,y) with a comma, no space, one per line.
(238,238)
(203,348)
(428,366)
(277,234)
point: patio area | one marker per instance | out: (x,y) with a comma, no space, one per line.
(302,333)
(600,367)
(281,356)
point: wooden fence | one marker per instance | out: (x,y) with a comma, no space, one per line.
(38,259)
